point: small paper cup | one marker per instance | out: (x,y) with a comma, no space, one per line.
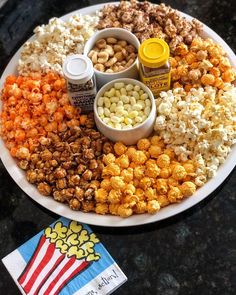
(121,34)
(132,135)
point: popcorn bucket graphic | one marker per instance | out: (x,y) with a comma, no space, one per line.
(61,254)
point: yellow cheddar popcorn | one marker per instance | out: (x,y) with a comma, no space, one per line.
(163,161)
(155,151)
(139,157)
(114,196)
(109,158)
(140,207)
(123,161)
(117,183)
(129,189)
(188,188)
(145,183)
(143,144)
(127,174)
(101,195)
(111,170)
(113,208)
(151,194)
(153,206)
(139,172)
(119,148)
(161,186)
(106,184)
(124,211)
(174,194)
(101,208)
(179,172)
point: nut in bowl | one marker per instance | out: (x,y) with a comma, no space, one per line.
(113,52)
(124,110)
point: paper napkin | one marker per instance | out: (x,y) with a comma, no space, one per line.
(66,258)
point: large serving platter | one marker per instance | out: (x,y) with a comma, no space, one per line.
(107,220)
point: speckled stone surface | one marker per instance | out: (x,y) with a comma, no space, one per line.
(192,253)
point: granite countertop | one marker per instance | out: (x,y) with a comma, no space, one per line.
(191,253)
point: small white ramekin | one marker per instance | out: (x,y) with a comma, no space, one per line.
(132,135)
(121,34)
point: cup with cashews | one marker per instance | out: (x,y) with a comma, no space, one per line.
(113,52)
(124,110)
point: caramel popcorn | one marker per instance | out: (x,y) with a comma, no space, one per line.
(147,20)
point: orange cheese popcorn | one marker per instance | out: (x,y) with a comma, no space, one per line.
(145,183)
(129,189)
(101,195)
(124,210)
(152,169)
(101,208)
(127,174)
(161,186)
(189,167)
(208,79)
(114,196)
(106,184)
(130,151)
(123,161)
(139,172)
(155,140)
(188,188)
(108,158)
(140,207)
(140,193)
(117,183)
(120,148)
(170,153)
(113,208)
(155,151)
(111,170)
(139,157)
(163,161)
(153,206)
(165,172)
(174,194)
(163,200)
(143,144)
(228,76)
(151,194)
(179,172)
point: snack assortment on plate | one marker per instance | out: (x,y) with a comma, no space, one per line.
(60,148)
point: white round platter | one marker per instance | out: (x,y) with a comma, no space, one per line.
(107,220)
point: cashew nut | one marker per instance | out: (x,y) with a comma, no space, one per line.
(122,43)
(99,67)
(130,48)
(91,53)
(124,51)
(109,50)
(101,43)
(117,48)
(132,55)
(95,57)
(109,71)
(103,57)
(111,40)
(129,63)
(111,62)
(119,55)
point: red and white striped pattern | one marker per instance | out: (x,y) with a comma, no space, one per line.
(49,271)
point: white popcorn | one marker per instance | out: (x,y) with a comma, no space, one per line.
(53,42)
(199,125)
